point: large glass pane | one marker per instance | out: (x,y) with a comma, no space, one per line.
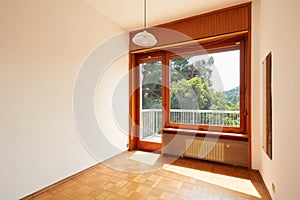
(151,101)
(205,89)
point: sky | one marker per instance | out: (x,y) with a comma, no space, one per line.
(226,69)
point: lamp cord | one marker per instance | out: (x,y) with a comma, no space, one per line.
(145,6)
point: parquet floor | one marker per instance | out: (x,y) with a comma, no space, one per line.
(118,178)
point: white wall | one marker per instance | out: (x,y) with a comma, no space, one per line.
(42,46)
(111,103)
(276,28)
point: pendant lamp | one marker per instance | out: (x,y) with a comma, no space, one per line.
(144,38)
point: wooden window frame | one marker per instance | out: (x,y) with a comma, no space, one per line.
(242,133)
(232,44)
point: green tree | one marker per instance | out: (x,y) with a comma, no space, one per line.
(190,86)
(151,85)
(218,101)
(234,104)
(190,94)
(182,69)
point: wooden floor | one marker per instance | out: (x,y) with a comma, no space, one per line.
(124,178)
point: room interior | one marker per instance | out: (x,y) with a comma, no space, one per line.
(50,54)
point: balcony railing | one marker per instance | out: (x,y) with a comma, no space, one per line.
(151,119)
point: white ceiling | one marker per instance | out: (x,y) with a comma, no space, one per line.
(128,14)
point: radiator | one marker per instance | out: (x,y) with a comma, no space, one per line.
(204,149)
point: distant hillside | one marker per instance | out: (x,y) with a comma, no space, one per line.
(231,93)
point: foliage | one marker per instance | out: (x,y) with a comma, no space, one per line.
(191,94)
(230,94)
(190,87)
(151,85)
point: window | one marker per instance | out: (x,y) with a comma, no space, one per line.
(194,89)
(207,89)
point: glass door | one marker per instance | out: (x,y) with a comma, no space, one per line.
(150,102)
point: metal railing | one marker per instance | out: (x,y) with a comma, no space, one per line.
(151,119)
(206,117)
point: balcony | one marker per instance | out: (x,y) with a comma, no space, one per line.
(151,120)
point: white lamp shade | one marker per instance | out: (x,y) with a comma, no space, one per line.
(144,39)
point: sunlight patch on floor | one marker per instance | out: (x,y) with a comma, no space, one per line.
(145,157)
(237,184)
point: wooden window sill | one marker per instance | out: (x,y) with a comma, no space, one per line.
(199,133)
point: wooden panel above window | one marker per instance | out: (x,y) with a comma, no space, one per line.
(224,21)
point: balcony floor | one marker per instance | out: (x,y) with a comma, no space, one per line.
(156,137)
